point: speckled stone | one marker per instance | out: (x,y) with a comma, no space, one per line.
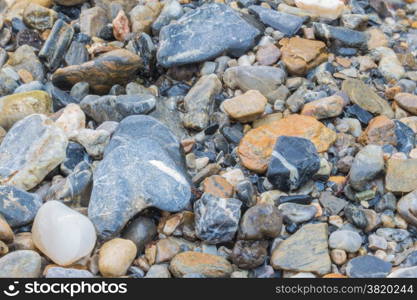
(20,264)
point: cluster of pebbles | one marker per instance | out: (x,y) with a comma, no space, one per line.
(180,138)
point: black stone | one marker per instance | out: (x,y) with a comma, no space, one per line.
(286,23)
(60,98)
(232,134)
(368,266)
(141,231)
(245,192)
(294,161)
(359,113)
(300,199)
(29,37)
(356,216)
(106,33)
(406,138)
(206,33)
(347,37)
(75,154)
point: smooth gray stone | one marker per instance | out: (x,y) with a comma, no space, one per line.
(20,264)
(31,86)
(368,266)
(58,272)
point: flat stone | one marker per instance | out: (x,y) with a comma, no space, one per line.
(410,272)
(32,148)
(362,95)
(218,186)
(256,147)
(114,67)
(115,257)
(59,272)
(20,264)
(264,79)
(77,54)
(92,20)
(18,206)
(262,221)
(116,108)
(332,204)
(18,106)
(158,271)
(268,55)
(401,175)
(324,108)
(407,207)
(367,165)
(393,234)
(140,150)
(347,240)
(301,55)
(246,107)
(63,234)
(380,131)
(39,17)
(230,32)
(199,101)
(202,264)
(55,47)
(216,219)
(342,35)
(407,101)
(322,8)
(141,231)
(24,58)
(304,251)
(285,23)
(389,64)
(367,266)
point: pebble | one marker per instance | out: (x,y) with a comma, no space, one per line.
(324,108)
(377,243)
(218,186)
(249,254)
(63,234)
(406,207)
(158,271)
(407,101)
(268,55)
(59,272)
(39,17)
(20,264)
(346,240)
(246,107)
(338,256)
(332,204)
(367,266)
(401,175)
(141,231)
(321,8)
(6,232)
(116,256)
(297,213)
(92,20)
(200,264)
(72,120)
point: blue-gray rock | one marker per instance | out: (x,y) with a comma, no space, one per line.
(206,33)
(406,138)
(31,86)
(60,98)
(18,206)
(216,219)
(356,216)
(297,213)
(55,47)
(393,234)
(77,54)
(116,108)
(331,204)
(368,266)
(143,166)
(294,161)
(411,260)
(347,240)
(59,272)
(141,231)
(172,10)
(7,84)
(347,37)
(75,154)
(286,23)
(20,264)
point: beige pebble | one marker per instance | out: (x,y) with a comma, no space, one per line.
(116,256)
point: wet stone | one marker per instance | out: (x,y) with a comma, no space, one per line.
(141,231)
(347,37)
(249,254)
(368,267)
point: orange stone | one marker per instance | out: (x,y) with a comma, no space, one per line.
(338,179)
(25,75)
(334,275)
(392,91)
(256,146)
(218,186)
(380,131)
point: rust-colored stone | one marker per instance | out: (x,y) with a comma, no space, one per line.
(218,186)
(380,131)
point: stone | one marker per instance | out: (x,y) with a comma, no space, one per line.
(75,154)
(294,161)
(7,84)
(262,221)
(347,240)
(230,32)
(297,213)
(20,264)
(249,254)
(324,108)
(401,175)
(410,272)
(24,58)
(377,38)
(380,131)
(92,20)
(116,108)
(389,64)
(143,149)
(199,101)
(77,54)
(301,55)
(18,106)
(367,165)
(17,206)
(246,107)
(32,148)
(264,79)
(202,264)
(216,219)
(72,120)
(172,11)
(141,231)
(321,8)
(6,232)
(393,234)
(256,147)
(144,15)
(63,234)
(116,256)
(407,101)
(114,67)
(55,48)
(59,272)
(304,251)
(69,2)
(407,207)
(158,271)
(288,24)
(338,256)
(268,55)
(367,266)
(332,204)
(217,186)
(377,242)
(342,35)
(362,95)
(356,216)
(94,141)
(121,28)
(38,17)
